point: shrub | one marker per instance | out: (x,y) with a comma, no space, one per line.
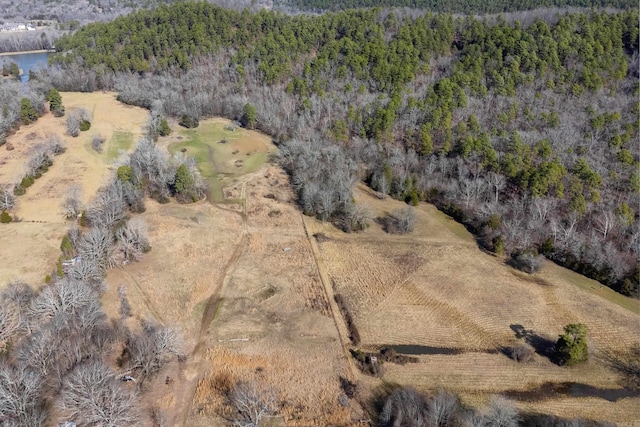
(5,218)
(521,353)
(571,347)
(66,247)
(401,221)
(188,121)
(97,143)
(185,185)
(28,114)
(85,125)
(47,279)
(527,261)
(249,116)
(165,130)
(21,188)
(354,335)
(58,111)
(59,269)
(125,173)
(55,103)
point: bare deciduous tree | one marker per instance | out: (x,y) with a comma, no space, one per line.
(405,407)
(54,145)
(252,401)
(19,295)
(97,247)
(443,408)
(91,395)
(401,221)
(7,199)
(9,323)
(21,401)
(73,124)
(65,296)
(72,205)
(132,240)
(153,347)
(501,413)
(125,308)
(97,143)
(109,206)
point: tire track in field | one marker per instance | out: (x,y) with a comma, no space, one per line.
(145,299)
(196,359)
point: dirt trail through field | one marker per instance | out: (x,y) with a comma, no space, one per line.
(194,366)
(338,320)
(145,298)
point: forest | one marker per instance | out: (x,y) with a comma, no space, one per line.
(460,6)
(469,115)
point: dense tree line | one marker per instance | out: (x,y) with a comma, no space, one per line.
(56,343)
(69,14)
(458,6)
(523,133)
(29,40)
(19,103)
(407,407)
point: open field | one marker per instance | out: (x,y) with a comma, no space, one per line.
(435,288)
(35,241)
(222,151)
(243,285)
(243,277)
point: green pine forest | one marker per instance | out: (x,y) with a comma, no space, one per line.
(526,134)
(459,6)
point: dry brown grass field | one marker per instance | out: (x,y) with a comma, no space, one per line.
(30,248)
(435,288)
(252,290)
(253,269)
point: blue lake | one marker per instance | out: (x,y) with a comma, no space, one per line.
(27,61)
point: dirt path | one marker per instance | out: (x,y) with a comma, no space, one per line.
(338,320)
(194,366)
(144,296)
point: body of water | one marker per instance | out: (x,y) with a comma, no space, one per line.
(27,61)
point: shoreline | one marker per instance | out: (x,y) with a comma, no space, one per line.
(25,52)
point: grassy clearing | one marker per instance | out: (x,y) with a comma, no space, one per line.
(35,242)
(434,287)
(120,140)
(243,152)
(594,287)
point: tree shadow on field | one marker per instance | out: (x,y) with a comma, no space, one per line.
(542,345)
(626,363)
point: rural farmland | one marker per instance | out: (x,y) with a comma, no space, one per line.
(381,213)
(251,283)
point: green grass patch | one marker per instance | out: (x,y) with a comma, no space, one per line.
(453,226)
(595,287)
(241,152)
(119,141)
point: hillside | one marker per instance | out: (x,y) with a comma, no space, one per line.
(524,134)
